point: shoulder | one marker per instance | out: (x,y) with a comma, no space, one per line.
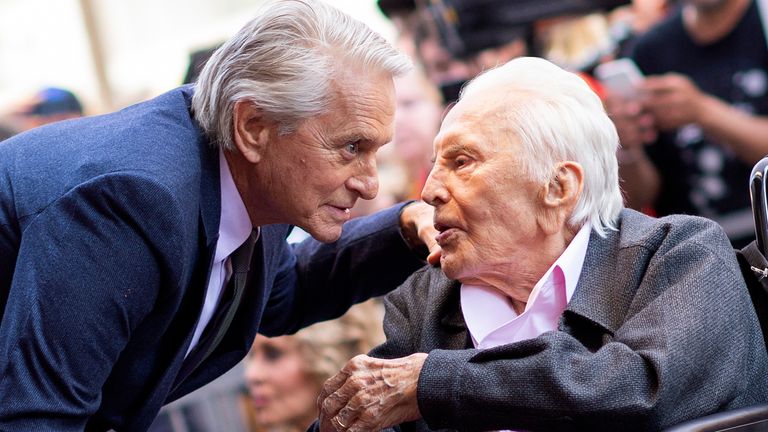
(676,248)
(637,229)
(149,143)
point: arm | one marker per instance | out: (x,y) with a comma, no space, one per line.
(674,100)
(319,281)
(680,353)
(640,180)
(88,270)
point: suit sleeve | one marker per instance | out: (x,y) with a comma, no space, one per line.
(681,352)
(89,268)
(319,281)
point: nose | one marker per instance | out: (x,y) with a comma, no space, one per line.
(434,192)
(365,181)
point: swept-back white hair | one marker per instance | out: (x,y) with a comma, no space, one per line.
(284,61)
(557,117)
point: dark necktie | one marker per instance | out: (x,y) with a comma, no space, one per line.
(241,264)
(226,308)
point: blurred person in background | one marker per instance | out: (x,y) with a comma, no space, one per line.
(690,139)
(49,105)
(284,374)
(450,72)
(141,251)
(627,23)
(197,60)
(575,43)
(417,120)
(6,131)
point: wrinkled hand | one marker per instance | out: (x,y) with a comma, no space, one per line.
(418,228)
(371,394)
(673,99)
(635,125)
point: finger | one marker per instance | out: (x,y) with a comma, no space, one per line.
(434,255)
(325,424)
(336,401)
(346,417)
(333,404)
(330,401)
(332,384)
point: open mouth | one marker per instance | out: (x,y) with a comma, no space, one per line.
(341,212)
(445,232)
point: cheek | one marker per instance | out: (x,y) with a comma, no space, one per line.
(298,398)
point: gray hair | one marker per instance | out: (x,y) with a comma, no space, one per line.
(284,61)
(557,117)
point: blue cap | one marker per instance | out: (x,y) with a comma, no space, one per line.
(54,100)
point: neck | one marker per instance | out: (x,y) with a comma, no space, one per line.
(517,279)
(243,174)
(709,24)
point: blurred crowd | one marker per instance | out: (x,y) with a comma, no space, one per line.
(691,129)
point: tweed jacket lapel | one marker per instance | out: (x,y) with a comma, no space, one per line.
(603,295)
(453,327)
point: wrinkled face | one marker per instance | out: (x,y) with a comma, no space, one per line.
(313,176)
(281,392)
(485,207)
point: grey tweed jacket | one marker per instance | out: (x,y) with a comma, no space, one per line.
(659,330)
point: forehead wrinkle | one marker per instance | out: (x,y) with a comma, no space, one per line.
(371,108)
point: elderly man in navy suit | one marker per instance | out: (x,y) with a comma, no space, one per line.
(141,251)
(555,308)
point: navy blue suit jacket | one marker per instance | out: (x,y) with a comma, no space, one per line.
(108,227)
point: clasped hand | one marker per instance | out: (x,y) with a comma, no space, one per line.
(371,394)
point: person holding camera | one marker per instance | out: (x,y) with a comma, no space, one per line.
(700,121)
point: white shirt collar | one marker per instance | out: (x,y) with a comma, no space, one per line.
(235,225)
(490,317)
(572,260)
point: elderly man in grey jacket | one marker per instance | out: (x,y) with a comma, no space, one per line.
(555,308)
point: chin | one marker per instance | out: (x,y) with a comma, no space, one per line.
(325,235)
(450,267)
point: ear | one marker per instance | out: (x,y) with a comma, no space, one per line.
(252,130)
(560,195)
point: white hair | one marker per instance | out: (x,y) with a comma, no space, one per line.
(284,61)
(557,117)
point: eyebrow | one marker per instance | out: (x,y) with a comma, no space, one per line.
(357,136)
(456,147)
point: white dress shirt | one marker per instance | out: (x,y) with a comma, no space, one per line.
(234,229)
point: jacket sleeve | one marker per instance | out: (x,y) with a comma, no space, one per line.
(683,350)
(319,281)
(89,268)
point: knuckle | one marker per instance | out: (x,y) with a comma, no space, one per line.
(328,405)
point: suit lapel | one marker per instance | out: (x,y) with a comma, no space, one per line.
(603,294)
(453,328)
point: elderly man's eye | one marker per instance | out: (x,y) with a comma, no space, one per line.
(353,147)
(461,161)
